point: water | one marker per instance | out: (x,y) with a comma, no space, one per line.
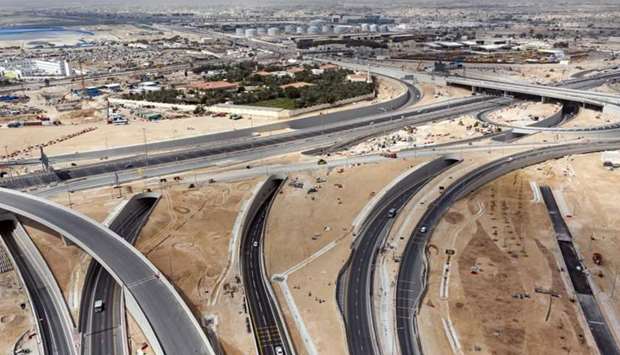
(37,33)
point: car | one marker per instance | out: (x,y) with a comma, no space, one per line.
(392,213)
(255,243)
(98,306)
(279,350)
(423,229)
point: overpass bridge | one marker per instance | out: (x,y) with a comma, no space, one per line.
(589,99)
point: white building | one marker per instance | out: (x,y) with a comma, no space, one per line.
(36,67)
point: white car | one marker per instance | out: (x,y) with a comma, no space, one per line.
(279,350)
(255,244)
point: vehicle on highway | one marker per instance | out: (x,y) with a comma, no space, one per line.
(423,229)
(255,244)
(392,213)
(98,306)
(279,350)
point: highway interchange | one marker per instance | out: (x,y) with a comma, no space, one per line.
(175,328)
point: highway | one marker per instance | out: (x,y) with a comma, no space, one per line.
(266,322)
(385,108)
(579,279)
(358,274)
(102,332)
(176,328)
(411,283)
(55,335)
(290,141)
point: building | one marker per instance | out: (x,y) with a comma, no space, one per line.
(297,85)
(144,87)
(44,68)
(214,85)
(328,66)
(359,78)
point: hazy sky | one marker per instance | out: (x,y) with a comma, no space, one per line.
(15,4)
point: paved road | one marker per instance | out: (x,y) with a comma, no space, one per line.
(51,325)
(102,331)
(205,140)
(581,283)
(175,327)
(229,149)
(411,283)
(359,274)
(268,329)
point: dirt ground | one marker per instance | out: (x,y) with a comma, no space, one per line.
(313,231)
(591,118)
(504,248)
(524,113)
(15,320)
(138,130)
(434,93)
(187,238)
(590,210)
(445,131)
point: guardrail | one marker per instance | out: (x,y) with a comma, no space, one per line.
(85,232)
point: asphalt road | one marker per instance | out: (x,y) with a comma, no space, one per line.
(411,283)
(268,329)
(205,140)
(52,336)
(577,272)
(176,328)
(102,331)
(358,283)
(337,131)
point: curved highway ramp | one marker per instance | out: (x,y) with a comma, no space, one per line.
(54,323)
(149,292)
(104,330)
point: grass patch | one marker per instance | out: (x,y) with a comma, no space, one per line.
(283,102)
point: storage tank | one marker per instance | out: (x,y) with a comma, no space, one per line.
(261,31)
(313,30)
(326,29)
(289,28)
(300,30)
(273,31)
(240,31)
(365,27)
(384,28)
(372,28)
(341,29)
(250,32)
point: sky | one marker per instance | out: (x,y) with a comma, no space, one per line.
(24,4)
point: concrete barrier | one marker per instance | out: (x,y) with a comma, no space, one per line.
(261,194)
(29,251)
(25,205)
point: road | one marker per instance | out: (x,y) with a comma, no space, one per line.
(176,328)
(579,279)
(268,328)
(321,120)
(54,335)
(102,332)
(411,283)
(292,140)
(358,278)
